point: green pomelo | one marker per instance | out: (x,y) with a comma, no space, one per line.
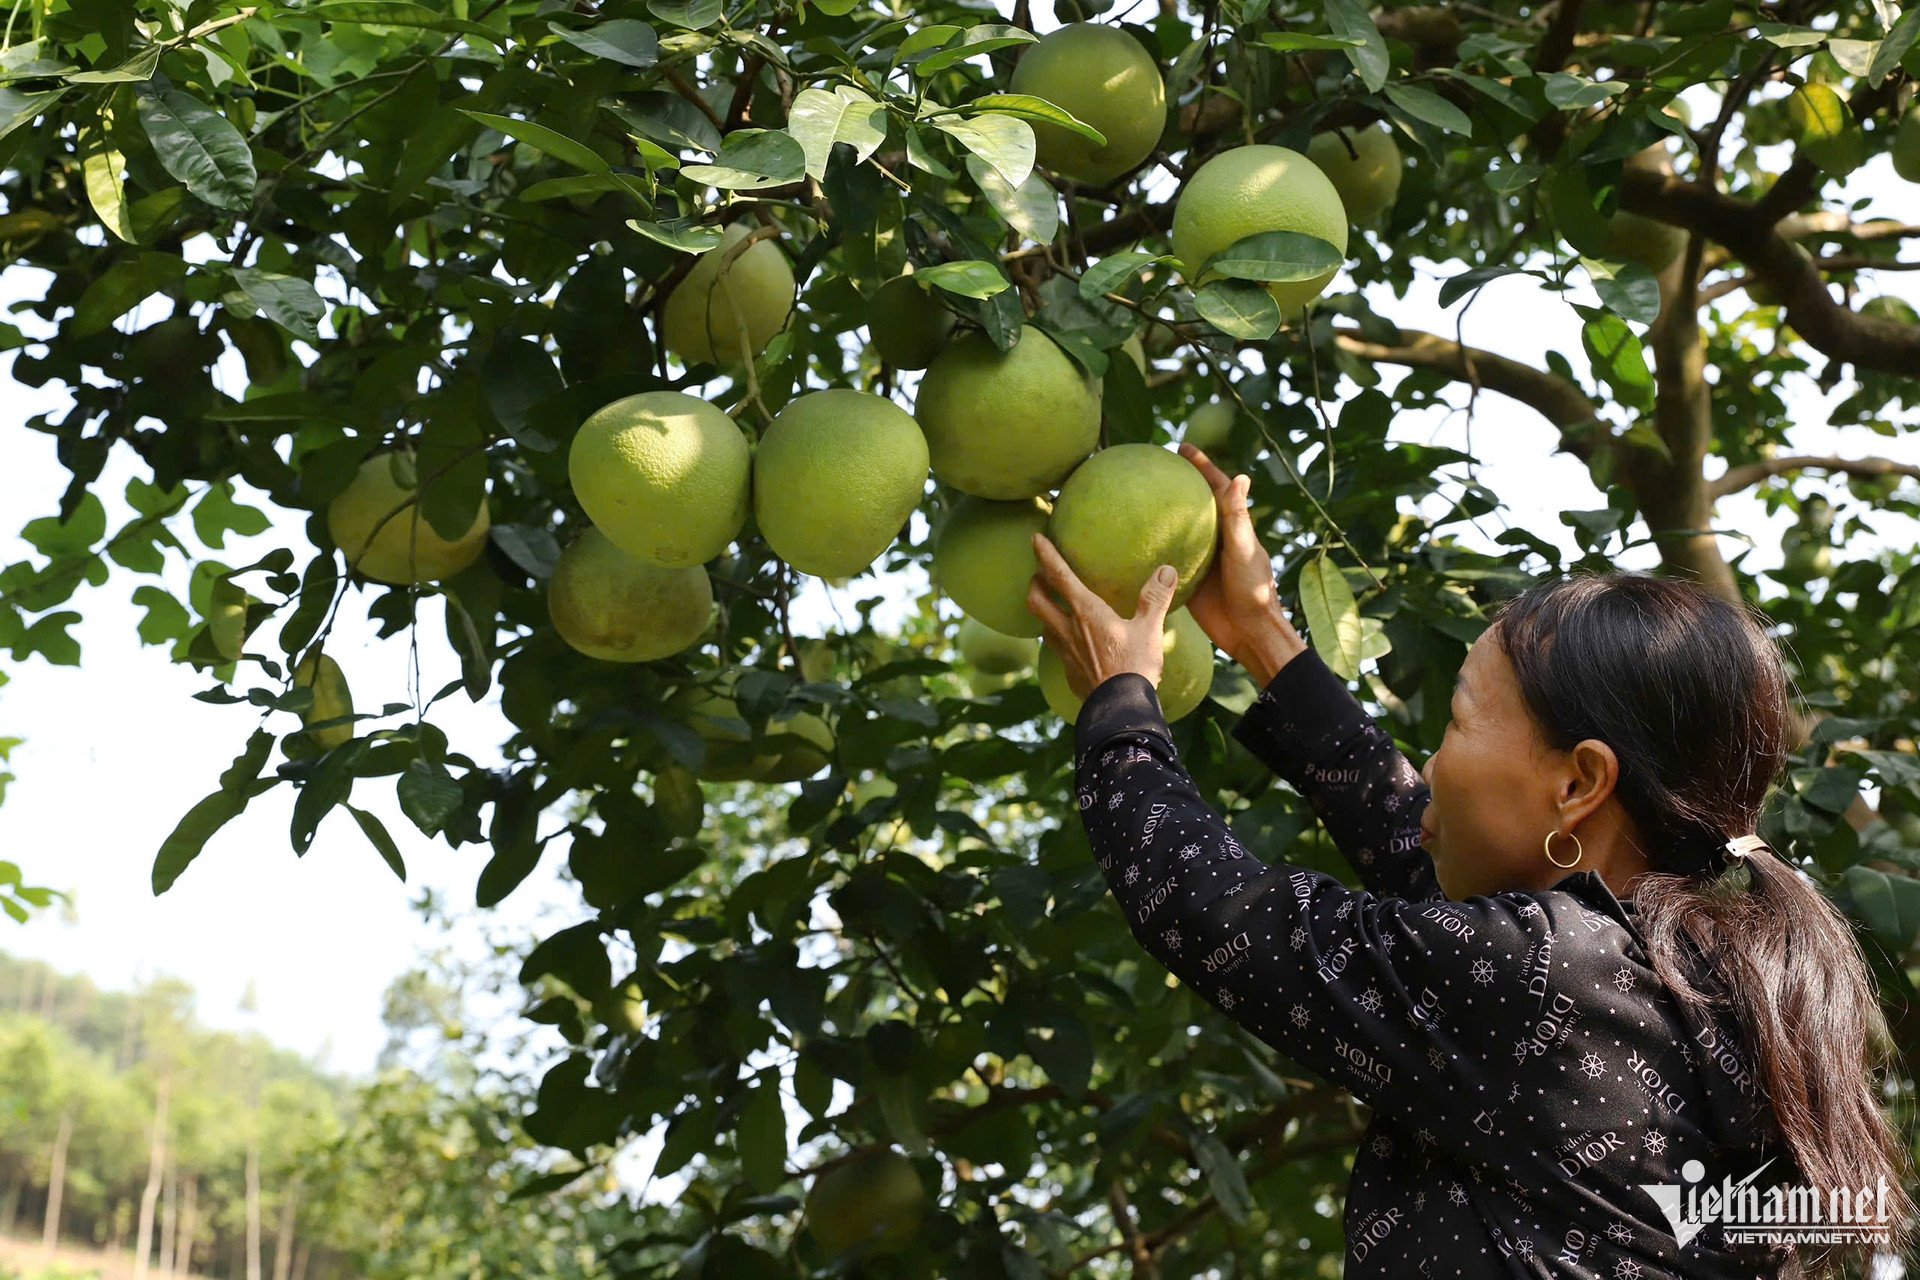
(1105,78)
(1210,427)
(983,559)
(872,1203)
(703,317)
(405,548)
(794,746)
(1247,190)
(1185,677)
(835,478)
(981,684)
(1007,426)
(664,475)
(1366,174)
(331,698)
(994,652)
(908,325)
(1887,307)
(1637,238)
(607,604)
(1906,146)
(1129,509)
(227,618)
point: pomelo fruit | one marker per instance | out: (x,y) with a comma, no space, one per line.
(1366,174)
(1760,293)
(1906,146)
(1210,427)
(1185,677)
(794,746)
(982,683)
(664,475)
(1648,241)
(1825,129)
(331,698)
(227,618)
(994,652)
(1888,307)
(1007,426)
(1105,78)
(1129,509)
(907,324)
(607,604)
(872,1203)
(1247,190)
(405,548)
(835,478)
(698,322)
(983,559)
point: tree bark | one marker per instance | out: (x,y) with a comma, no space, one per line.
(169,1214)
(10,1201)
(150,1196)
(283,1243)
(300,1262)
(189,1224)
(56,1184)
(253,1207)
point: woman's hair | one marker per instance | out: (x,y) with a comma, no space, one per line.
(1691,694)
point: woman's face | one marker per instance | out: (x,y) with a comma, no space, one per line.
(1491,798)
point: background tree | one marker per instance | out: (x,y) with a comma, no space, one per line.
(454,233)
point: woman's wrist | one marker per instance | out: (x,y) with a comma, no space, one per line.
(1271,646)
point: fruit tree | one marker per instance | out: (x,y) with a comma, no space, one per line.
(606,330)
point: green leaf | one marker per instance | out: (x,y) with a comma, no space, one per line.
(969,278)
(687,238)
(627,41)
(1002,141)
(984,38)
(1887,904)
(1425,104)
(1028,107)
(1112,272)
(666,118)
(1032,209)
(762,1137)
(199,147)
(239,783)
(288,301)
(1618,359)
(1892,49)
(1628,289)
(1224,1176)
(101,163)
(1274,256)
(1455,287)
(1333,615)
(377,836)
(1351,22)
(1300,41)
(541,138)
(691,14)
(1239,308)
(1571,93)
(428,796)
(330,783)
(750,159)
(820,118)
(126,284)
(140,66)
(388,13)
(17,109)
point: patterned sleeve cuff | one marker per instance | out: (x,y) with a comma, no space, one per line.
(1304,710)
(1121,702)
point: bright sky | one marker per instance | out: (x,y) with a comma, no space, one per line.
(117,749)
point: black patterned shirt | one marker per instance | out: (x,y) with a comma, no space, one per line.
(1525,1070)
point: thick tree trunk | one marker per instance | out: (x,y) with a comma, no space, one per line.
(189,1223)
(150,1196)
(283,1243)
(56,1184)
(10,1201)
(169,1214)
(253,1208)
(300,1262)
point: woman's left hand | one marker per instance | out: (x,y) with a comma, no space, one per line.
(1092,641)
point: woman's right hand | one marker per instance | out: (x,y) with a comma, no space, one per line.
(1237,604)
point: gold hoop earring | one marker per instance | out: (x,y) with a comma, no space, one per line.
(1546,847)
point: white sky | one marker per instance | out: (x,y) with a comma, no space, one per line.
(117,749)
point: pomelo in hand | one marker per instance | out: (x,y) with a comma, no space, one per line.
(835,478)
(870,1205)
(1248,190)
(405,548)
(994,652)
(1364,166)
(1007,426)
(983,559)
(1128,510)
(664,475)
(1105,78)
(908,325)
(607,604)
(699,321)
(331,698)
(1185,678)
(1210,427)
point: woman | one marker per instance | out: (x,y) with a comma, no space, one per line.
(1568,1025)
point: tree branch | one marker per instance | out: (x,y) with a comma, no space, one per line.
(1748,474)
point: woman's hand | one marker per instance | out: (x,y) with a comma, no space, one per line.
(1237,604)
(1093,641)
